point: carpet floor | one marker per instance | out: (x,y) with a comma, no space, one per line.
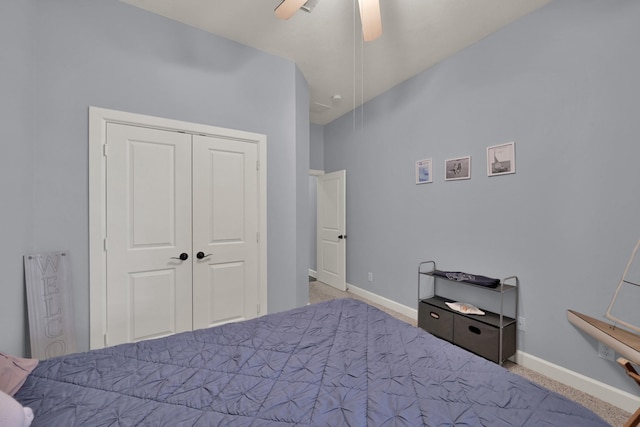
(615,416)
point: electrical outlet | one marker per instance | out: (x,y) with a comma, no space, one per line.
(521,324)
(606,352)
(370,276)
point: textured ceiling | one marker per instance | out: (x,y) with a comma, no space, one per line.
(327,45)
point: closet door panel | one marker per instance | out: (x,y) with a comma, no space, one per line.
(225,222)
(148,226)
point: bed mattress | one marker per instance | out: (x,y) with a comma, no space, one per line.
(337,363)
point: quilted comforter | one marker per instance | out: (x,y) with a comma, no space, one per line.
(338,363)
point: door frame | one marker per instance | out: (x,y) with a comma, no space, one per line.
(98,119)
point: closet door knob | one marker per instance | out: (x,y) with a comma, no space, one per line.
(342,236)
(183,256)
(201,255)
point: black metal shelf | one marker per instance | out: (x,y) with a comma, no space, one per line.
(496,320)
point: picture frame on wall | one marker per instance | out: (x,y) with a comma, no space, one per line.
(459,168)
(424,171)
(501,159)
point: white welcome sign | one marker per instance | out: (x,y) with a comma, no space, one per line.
(51,326)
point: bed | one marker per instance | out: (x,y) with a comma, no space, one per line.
(336,363)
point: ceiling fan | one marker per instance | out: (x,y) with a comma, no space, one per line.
(369,15)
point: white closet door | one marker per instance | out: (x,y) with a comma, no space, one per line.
(148,223)
(225,224)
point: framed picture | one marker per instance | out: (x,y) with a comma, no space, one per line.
(501,159)
(424,173)
(459,168)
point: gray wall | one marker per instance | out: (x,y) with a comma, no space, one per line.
(316,147)
(313,222)
(302,191)
(16,167)
(563,84)
(74,54)
(316,162)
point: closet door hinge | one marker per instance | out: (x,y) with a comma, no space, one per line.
(257,165)
(105,339)
(258,309)
(105,150)
(104,243)
(258,237)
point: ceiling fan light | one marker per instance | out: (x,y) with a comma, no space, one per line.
(288,8)
(371,19)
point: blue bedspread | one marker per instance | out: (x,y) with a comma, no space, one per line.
(338,363)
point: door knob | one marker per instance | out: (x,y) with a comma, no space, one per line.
(201,255)
(342,236)
(183,256)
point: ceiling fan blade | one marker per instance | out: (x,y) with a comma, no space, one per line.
(287,8)
(371,19)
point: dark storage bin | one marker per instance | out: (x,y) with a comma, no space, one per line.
(484,339)
(435,320)
(478,334)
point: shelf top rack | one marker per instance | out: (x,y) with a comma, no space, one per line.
(506,284)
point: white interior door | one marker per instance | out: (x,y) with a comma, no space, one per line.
(148,223)
(332,236)
(225,223)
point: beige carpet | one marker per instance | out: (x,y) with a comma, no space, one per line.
(615,416)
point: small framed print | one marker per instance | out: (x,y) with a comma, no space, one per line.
(459,168)
(501,159)
(424,173)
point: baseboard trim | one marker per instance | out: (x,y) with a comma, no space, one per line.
(385,302)
(313,273)
(602,391)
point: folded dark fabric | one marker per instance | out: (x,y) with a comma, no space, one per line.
(474,279)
